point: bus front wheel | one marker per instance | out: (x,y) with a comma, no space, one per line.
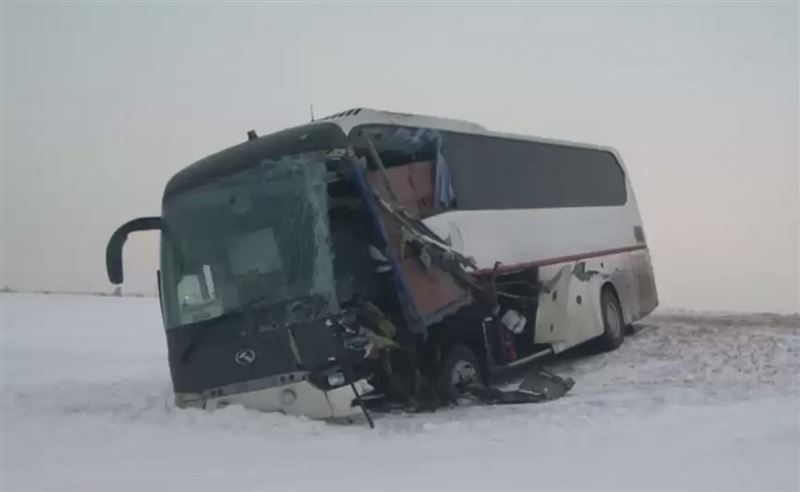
(458,370)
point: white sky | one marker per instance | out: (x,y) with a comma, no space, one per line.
(103,102)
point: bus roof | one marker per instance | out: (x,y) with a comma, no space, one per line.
(347,120)
(241,155)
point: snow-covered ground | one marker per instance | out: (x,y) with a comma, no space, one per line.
(692,401)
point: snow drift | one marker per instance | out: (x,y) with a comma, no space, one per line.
(692,401)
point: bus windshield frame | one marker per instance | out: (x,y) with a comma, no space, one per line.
(258,236)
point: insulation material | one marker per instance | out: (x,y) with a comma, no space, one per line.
(412,184)
(444,193)
(434,292)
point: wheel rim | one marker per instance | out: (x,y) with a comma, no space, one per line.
(463,373)
(613,319)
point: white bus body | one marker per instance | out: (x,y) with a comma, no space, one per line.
(608,240)
(558,218)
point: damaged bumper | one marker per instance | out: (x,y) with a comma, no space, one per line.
(293,398)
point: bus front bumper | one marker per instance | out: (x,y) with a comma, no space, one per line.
(296,398)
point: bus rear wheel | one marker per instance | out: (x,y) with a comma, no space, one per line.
(613,322)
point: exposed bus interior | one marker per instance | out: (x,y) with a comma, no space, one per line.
(410,169)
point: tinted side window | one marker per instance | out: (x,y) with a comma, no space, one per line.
(498,173)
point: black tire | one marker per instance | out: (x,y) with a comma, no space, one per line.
(613,324)
(453,373)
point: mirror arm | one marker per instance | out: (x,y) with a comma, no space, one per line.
(117,241)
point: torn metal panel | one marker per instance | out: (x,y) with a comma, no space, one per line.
(412,185)
(434,292)
(616,269)
(551,319)
(583,310)
(569,310)
(387,239)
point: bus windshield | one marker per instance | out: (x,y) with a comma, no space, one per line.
(260,236)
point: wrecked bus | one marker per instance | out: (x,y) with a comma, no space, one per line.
(376,256)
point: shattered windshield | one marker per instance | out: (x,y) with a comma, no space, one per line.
(257,237)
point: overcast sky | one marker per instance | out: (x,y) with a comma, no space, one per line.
(103,102)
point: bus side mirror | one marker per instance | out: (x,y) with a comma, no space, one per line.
(117,241)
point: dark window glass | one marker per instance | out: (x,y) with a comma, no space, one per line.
(258,236)
(500,173)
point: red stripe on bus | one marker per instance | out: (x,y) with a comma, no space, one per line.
(561,259)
